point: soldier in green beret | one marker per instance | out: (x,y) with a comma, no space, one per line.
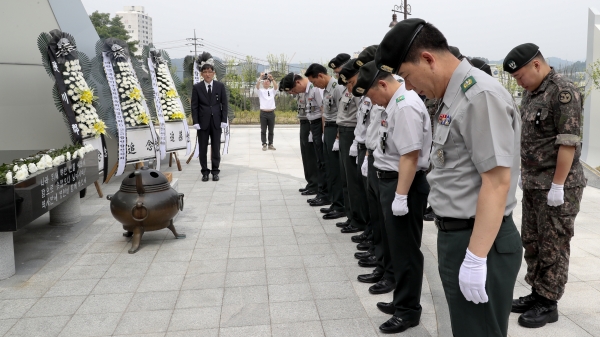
(475,156)
(552,179)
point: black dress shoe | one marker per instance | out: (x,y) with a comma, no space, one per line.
(386,307)
(343,224)
(309,192)
(370,261)
(320,202)
(397,324)
(302,190)
(326,210)
(359,238)
(362,255)
(349,229)
(540,314)
(365,245)
(312,200)
(374,277)
(215,177)
(522,304)
(205,177)
(334,215)
(384,286)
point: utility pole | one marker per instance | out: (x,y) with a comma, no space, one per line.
(195,43)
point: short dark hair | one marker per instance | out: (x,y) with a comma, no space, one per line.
(297,77)
(314,70)
(540,57)
(429,38)
(382,76)
(207,66)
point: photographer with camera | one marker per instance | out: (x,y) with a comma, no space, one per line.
(266,96)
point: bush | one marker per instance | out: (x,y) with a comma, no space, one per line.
(253,117)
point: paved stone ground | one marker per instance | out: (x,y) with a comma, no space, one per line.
(257,261)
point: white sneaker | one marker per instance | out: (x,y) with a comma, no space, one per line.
(264,147)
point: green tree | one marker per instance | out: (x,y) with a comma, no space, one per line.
(107,27)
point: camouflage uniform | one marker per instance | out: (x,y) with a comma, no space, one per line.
(551,117)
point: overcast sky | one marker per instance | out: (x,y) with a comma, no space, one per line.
(317,30)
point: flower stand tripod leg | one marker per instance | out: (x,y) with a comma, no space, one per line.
(98,189)
(177,161)
(111,173)
(170,159)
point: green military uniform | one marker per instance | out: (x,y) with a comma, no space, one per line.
(309,159)
(551,117)
(331,97)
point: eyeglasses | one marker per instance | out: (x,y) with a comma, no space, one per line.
(207,72)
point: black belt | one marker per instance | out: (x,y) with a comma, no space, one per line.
(387,174)
(361,146)
(315,121)
(453,224)
(330,124)
(346,128)
(304,121)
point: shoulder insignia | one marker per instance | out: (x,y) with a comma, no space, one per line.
(400,99)
(468,83)
(565,96)
(333,84)
(311,86)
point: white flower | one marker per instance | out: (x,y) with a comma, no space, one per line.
(41,164)
(56,161)
(32,168)
(9,177)
(23,167)
(16,168)
(68,154)
(89,148)
(81,152)
(21,174)
(47,160)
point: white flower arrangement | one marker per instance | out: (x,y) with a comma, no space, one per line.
(82,96)
(168,94)
(131,95)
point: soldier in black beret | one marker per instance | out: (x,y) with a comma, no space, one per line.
(367,55)
(292,84)
(481,65)
(475,171)
(552,179)
(456,52)
(337,62)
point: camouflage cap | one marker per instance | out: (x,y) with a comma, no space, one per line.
(287,83)
(338,61)
(367,55)
(347,72)
(519,56)
(481,65)
(396,43)
(366,77)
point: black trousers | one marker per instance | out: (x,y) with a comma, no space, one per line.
(383,265)
(214,134)
(355,197)
(332,165)
(309,158)
(267,119)
(361,158)
(316,128)
(403,242)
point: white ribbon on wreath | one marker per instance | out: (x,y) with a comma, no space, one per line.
(122,130)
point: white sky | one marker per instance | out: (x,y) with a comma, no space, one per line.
(317,30)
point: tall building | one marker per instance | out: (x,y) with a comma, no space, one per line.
(138,24)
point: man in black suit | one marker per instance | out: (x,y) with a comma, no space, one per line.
(209,113)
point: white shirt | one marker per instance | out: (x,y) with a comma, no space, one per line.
(266,97)
(212,87)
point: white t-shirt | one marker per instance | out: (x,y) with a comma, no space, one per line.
(266,98)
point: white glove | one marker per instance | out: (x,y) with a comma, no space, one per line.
(556,196)
(310,137)
(323,137)
(336,145)
(399,205)
(520,182)
(365,167)
(354,149)
(471,278)
(197,126)
(223,125)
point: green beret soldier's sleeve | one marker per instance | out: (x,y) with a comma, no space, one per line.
(568,117)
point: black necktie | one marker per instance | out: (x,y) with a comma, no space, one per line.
(209,91)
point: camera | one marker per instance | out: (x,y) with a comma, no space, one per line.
(266,76)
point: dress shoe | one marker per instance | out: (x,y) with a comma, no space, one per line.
(386,307)
(362,255)
(359,238)
(384,286)
(326,210)
(205,177)
(374,277)
(334,215)
(397,324)
(215,177)
(522,304)
(370,261)
(320,202)
(312,200)
(349,229)
(343,224)
(302,190)
(429,215)
(365,245)
(541,313)
(307,192)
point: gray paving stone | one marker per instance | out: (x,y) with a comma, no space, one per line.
(311,261)
(85,272)
(290,292)
(71,288)
(246,231)
(281,250)
(140,322)
(246,278)
(105,303)
(172,255)
(299,329)
(6,324)
(245,295)
(292,261)
(326,274)
(195,318)
(286,276)
(207,266)
(340,309)
(97,324)
(246,252)
(156,300)
(210,253)
(249,314)
(255,241)
(246,331)
(167,268)
(325,290)
(204,281)
(142,255)
(97,259)
(590,322)
(39,326)
(198,298)
(360,327)
(267,223)
(194,333)
(245,264)
(122,270)
(51,306)
(117,285)
(291,312)
(161,283)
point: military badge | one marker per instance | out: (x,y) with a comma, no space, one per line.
(565,97)
(400,99)
(468,83)
(358,90)
(512,64)
(359,63)
(387,68)
(343,77)
(332,65)
(440,156)
(444,119)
